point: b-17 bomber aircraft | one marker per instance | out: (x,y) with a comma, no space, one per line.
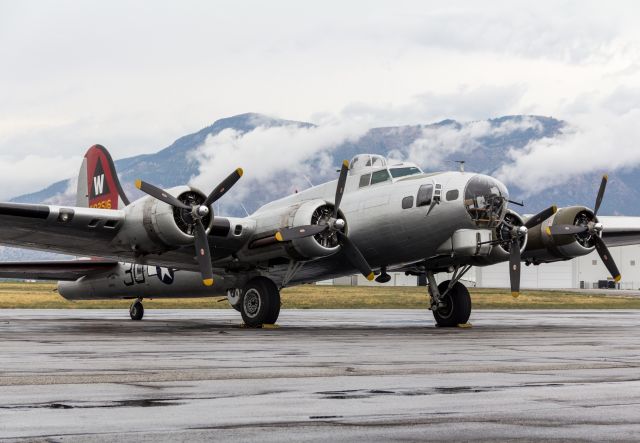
(378,216)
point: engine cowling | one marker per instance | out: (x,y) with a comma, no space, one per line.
(542,247)
(502,233)
(315,212)
(152,226)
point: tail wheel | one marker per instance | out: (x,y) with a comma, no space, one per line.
(260,302)
(136,310)
(456,307)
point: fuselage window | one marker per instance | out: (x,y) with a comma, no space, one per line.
(452,195)
(424,195)
(364,180)
(407,202)
(380,176)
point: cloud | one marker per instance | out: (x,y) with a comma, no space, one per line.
(466,103)
(280,159)
(599,140)
(438,143)
(21,174)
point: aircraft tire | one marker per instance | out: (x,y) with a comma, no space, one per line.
(274,310)
(136,310)
(458,306)
(259,302)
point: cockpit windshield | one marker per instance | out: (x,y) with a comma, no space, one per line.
(404,171)
(486,200)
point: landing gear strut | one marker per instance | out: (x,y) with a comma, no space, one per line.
(136,310)
(450,300)
(259,302)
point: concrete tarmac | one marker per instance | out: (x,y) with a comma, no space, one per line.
(344,375)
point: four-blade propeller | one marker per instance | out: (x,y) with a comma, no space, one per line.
(335,226)
(193,215)
(592,228)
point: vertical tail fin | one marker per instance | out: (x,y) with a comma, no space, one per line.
(98,184)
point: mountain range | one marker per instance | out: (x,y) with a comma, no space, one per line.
(485,146)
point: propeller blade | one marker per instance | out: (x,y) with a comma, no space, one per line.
(566,229)
(355,257)
(288,234)
(203,255)
(223,187)
(161,195)
(342,180)
(603,252)
(514,267)
(540,217)
(603,185)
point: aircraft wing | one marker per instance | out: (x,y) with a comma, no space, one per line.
(620,231)
(55,270)
(79,231)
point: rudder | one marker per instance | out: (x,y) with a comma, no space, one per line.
(98,183)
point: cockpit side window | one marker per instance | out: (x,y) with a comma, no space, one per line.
(380,176)
(403,172)
(364,180)
(425,194)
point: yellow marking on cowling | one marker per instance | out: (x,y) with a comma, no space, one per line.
(207,281)
(617,278)
(515,294)
(279,236)
(345,163)
(240,171)
(370,276)
(138,183)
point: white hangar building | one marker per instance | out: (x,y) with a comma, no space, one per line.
(583,272)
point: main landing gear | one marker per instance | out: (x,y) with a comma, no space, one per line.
(450,300)
(258,302)
(136,310)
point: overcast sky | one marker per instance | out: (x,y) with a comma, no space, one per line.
(136,75)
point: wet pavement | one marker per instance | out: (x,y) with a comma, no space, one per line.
(346,375)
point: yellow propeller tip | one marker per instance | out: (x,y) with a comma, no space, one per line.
(345,163)
(606,176)
(548,230)
(370,276)
(240,171)
(207,281)
(138,183)
(279,236)
(617,278)
(555,208)
(515,294)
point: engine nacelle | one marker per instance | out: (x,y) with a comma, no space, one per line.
(152,226)
(305,213)
(544,248)
(312,213)
(500,251)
